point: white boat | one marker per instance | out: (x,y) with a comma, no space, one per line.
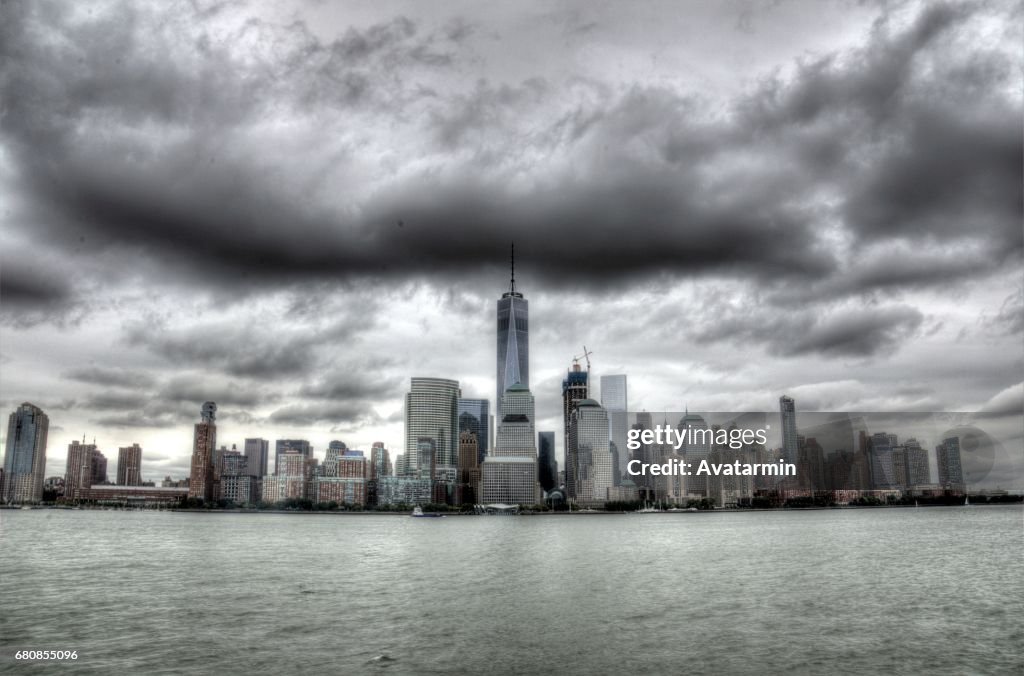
(418,511)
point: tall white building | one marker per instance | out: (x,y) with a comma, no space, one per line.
(592,458)
(431,426)
(509,472)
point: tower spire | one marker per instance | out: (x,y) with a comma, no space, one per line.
(512,286)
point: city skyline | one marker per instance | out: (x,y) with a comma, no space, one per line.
(674,203)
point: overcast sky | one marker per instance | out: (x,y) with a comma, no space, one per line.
(291,208)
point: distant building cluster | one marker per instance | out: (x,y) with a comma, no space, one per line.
(457,453)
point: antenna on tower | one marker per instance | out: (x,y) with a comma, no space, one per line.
(512,287)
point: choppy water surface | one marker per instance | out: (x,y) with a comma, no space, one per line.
(928,590)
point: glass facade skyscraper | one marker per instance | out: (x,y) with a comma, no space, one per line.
(614,400)
(547,466)
(513,341)
(588,458)
(25,454)
(790,444)
(431,422)
(475,417)
(947,457)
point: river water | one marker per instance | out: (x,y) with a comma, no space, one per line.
(928,590)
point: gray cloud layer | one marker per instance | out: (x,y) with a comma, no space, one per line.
(268,213)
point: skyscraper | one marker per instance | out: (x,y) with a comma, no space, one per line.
(380,460)
(469,469)
(129,465)
(696,448)
(790,444)
(475,417)
(204,440)
(99,468)
(588,458)
(883,475)
(947,457)
(614,400)
(509,472)
(431,415)
(25,455)
(282,446)
(513,340)
(918,471)
(257,452)
(547,465)
(79,470)
(575,388)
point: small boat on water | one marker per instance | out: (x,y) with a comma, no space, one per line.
(648,509)
(418,511)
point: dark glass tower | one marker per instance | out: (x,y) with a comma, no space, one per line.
(475,417)
(547,466)
(513,340)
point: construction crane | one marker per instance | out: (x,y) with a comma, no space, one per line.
(586,355)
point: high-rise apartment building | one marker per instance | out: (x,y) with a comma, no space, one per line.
(99,468)
(129,465)
(883,473)
(79,470)
(25,455)
(380,460)
(282,446)
(918,471)
(947,458)
(204,441)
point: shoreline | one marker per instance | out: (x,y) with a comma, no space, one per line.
(341,512)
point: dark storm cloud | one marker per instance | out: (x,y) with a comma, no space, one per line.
(249,350)
(912,139)
(137,420)
(114,401)
(352,414)
(196,388)
(30,294)
(348,383)
(845,332)
(855,334)
(111,377)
